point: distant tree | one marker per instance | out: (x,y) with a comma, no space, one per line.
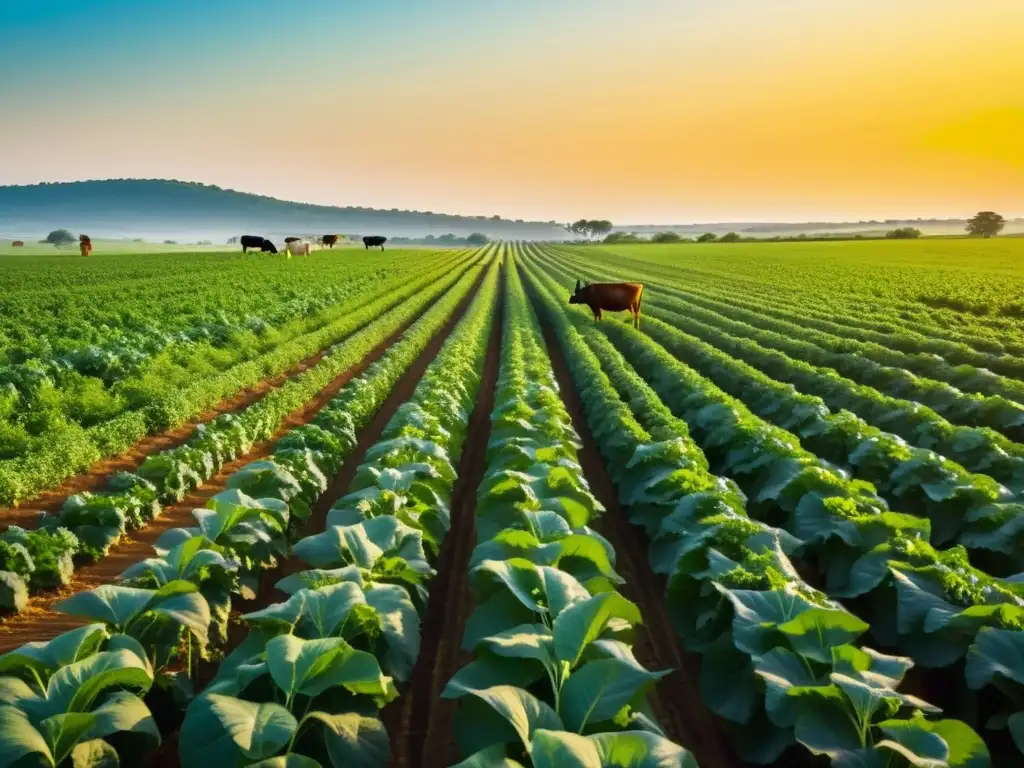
(478,238)
(232,240)
(599,227)
(707,237)
(618,238)
(903,233)
(170,242)
(666,237)
(986,224)
(60,237)
(729,237)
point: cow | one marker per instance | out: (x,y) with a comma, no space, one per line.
(613,297)
(329,240)
(371,241)
(291,240)
(84,245)
(256,241)
(17,244)
(296,247)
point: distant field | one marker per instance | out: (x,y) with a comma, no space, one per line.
(983,277)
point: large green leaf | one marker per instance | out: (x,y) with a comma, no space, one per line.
(598,690)
(626,749)
(490,757)
(354,741)
(19,737)
(583,622)
(520,713)
(995,653)
(815,632)
(961,746)
(258,730)
(124,712)
(47,656)
(75,687)
(312,666)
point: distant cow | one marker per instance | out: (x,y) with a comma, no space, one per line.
(84,245)
(257,241)
(329,240)
(291,240)
(613,297)
(17,244)
(296,247)
(371,241)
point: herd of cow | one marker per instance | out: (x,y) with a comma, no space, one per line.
(296,246)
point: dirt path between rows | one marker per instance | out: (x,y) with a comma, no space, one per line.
(26,514)
(39,621)
(676,698)
(166,756)
(420,723)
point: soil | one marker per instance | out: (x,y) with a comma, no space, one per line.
(676,699)
(420,723)
(26,514)
(39,621)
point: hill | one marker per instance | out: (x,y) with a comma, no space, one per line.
(160,209)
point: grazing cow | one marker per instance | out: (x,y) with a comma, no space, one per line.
(256,241)
(17,244)
(297,248)
(374,240)
(291,240)
(613,297)
(329,240)
(84,245)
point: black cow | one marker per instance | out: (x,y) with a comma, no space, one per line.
(374,240)
(257,241)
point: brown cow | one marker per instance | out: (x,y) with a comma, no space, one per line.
(84,245)
(613,297)
(17,244)
(329,240)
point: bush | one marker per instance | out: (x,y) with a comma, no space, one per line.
(729,237)
(707,237)
(666,237)
(478,238)
(622,237)
(903,233)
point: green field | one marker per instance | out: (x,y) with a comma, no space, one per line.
(414,508)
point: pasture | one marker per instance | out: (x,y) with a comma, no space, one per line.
(415,508)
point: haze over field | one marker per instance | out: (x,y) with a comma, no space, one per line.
(639,111)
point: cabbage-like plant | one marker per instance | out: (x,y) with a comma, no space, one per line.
(313,698)
(201,562)
(61,699)
(158,619)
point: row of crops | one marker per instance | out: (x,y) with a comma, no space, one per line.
(834,535)
(303,685)
(67,401)
(834,519)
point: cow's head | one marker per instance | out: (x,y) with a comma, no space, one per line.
(578,295)
(268,247)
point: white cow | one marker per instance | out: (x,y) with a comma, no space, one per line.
(298,248)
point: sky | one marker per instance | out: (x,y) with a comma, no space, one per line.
(637,111)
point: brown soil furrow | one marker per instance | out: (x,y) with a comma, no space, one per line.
(95,477)
(420,722)
(676,699)
(40,622)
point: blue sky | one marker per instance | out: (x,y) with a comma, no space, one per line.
(625,109)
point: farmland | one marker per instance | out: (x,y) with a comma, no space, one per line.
(414,509)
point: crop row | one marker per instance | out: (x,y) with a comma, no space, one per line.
(553,680)
(929,603)
(973,510)
(978,449)
(66,447)
(780,660)
(300,655)
(1002,410)
(90,523)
